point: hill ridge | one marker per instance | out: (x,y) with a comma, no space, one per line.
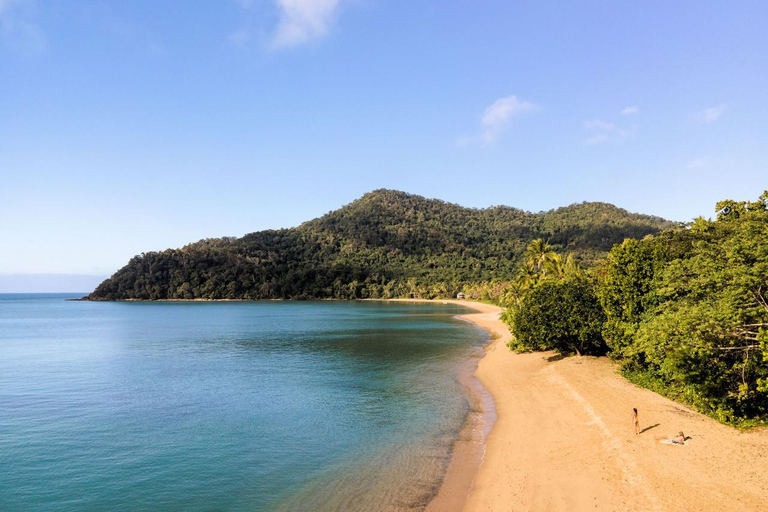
(387,243)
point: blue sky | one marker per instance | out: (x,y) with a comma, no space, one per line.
(135,126)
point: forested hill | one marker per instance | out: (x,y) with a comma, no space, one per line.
(385,244)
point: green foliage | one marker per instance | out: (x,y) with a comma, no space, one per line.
(538,255)
(687,310)
(552,305)
(627,282)
(625,292)
(386,244)
(559,314)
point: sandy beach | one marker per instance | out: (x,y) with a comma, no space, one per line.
(563,440)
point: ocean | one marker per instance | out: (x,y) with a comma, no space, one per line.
(228,405)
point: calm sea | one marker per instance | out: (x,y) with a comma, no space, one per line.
(227,406)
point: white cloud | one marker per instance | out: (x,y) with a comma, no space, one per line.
(298,21)
(633,109)
(698,163)
(496,116)
(711,114)
(503,109)
(303,20)
(603,131)
(596,139)
(597,124)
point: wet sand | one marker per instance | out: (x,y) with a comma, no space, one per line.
(470,445)
(563,440)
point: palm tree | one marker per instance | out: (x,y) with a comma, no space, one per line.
(572,267)
(527,278)
(537,253)
(554,267)
(512,294)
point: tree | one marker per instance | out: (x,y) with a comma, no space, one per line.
(554,267)
(537,254)
(687,310)
(572,266)
(562,315)
(625,290)
(706,335)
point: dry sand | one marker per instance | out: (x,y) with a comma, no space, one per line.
(564,440)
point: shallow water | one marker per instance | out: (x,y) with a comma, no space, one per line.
(239,406)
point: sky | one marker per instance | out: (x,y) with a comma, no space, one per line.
(128,127)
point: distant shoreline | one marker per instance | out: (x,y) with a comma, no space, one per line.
(86,299)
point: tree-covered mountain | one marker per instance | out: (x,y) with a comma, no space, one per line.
(385,244)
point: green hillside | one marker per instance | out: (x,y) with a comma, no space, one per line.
(385,244)
(686,311)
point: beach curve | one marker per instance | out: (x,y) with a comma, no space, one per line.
(563,440)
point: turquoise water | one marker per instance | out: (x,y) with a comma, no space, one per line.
(227,406)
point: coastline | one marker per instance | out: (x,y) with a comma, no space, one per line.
(469,448)
(563,440)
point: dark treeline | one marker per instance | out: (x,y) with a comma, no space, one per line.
(386,244)
(686,311)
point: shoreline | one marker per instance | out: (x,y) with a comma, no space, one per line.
(470,446)
(563,440)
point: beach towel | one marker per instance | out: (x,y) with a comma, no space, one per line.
(669,441)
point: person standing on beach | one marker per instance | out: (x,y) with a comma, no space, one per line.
(636,421)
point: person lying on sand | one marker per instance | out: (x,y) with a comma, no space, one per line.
(636,421)
(678,439)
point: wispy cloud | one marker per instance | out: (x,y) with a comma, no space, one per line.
(632,109)
(698,163)
(711,114)
(598,124)
(303,20)
(496,117)
(596,139)
(298,22)
(603,131)
(17,29)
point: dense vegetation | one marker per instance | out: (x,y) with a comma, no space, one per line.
(686,311)
(561,314)
(386,244)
